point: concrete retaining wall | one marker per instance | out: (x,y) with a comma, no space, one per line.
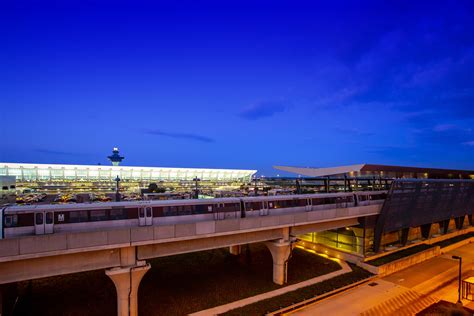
(401,263)
(457,245)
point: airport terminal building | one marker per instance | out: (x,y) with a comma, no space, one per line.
(100,177)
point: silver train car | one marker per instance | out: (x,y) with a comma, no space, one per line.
(48,219)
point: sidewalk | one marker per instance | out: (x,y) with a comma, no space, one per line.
(432,278)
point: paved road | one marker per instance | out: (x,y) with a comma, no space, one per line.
(360,299)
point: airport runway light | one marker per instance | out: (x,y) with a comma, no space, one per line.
(459,278)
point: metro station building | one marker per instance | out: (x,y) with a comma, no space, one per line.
(422,203)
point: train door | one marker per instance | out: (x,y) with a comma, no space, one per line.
(264,210)
(44,223)
(145,216)
(308,204)
(219,211)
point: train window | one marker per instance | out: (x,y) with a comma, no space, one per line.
(78,216)
(148,212)
(187,209)
(170,210)
(157,211)
(131,212)
(200,209)
(49,217)
(317,201)
(11,220)
(232,207)
(257,205)
(141,212)
(284,203)
(117,214)
(99,215)
(8,220)
(39,218)
(280,204)
(209,208)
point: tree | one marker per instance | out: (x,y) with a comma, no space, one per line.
(153,187)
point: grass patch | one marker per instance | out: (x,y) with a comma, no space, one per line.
(398,255)
(450,241)
(288,299)
(87,293)
(189,283)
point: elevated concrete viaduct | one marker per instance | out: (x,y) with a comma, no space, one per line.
(123,251)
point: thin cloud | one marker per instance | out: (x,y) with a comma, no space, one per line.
(263,109)
(353,131)
(187,136)
(55,152)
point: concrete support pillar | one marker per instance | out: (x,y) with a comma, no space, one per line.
(404,236)
(425,231)
(443,226)
(235,250)
(127,280)
(128,256)
(280,251)
(459,221)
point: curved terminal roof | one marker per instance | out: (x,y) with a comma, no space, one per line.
(321,172)
(380,170)
(27,171)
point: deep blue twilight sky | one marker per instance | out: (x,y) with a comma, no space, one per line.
(238,85)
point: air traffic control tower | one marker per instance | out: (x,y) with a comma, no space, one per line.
(115,158)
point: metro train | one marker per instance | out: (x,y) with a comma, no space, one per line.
(24,220)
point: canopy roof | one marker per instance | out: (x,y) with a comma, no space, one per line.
(398,171)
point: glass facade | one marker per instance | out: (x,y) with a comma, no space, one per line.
(349,239)
(45,172)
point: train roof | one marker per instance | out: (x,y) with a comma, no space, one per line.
(130,204)
(122,204)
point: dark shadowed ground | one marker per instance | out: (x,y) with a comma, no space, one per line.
(175,285)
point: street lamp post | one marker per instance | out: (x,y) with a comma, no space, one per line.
(196,189)
(117,189)
(459,278)
(255,188)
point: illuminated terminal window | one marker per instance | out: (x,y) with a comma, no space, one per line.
(44,172)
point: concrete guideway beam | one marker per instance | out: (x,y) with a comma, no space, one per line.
(280,250)
(126,281)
